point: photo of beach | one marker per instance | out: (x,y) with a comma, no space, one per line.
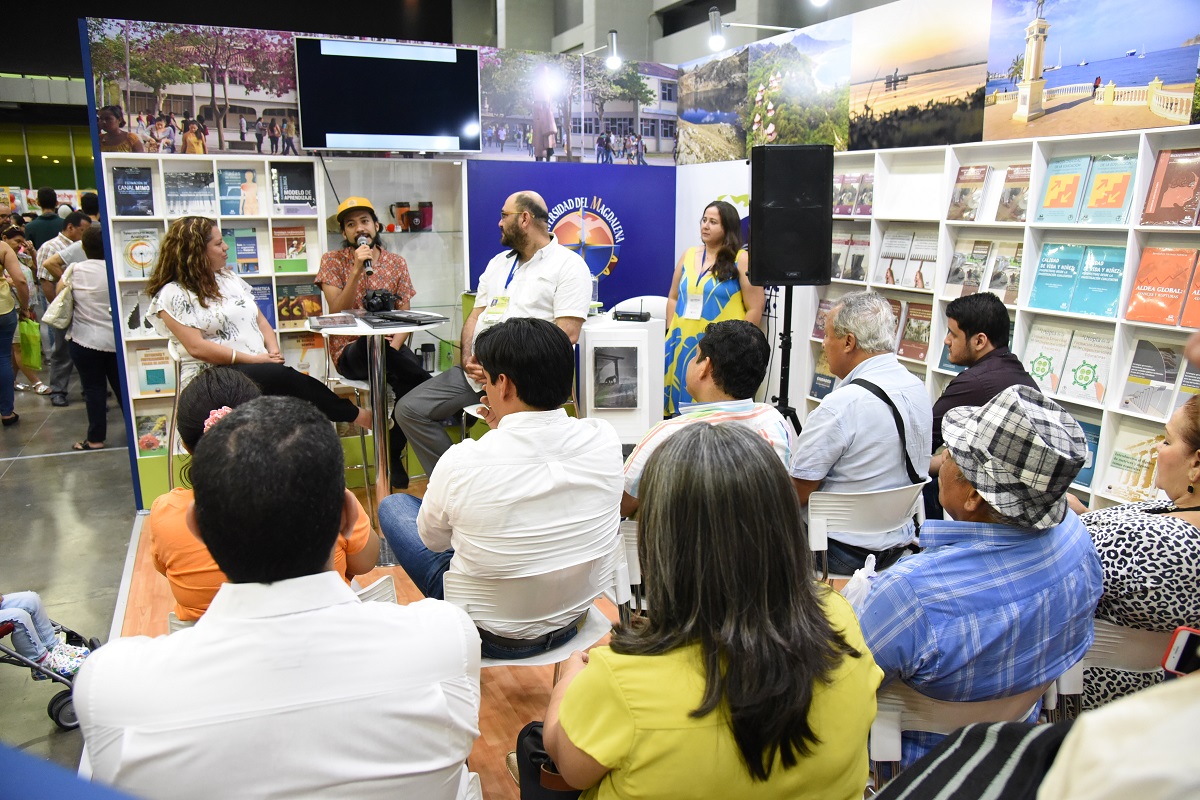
(712,102)
(1099,76)
(799,88)
(917,73)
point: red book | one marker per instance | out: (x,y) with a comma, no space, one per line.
(1163,277)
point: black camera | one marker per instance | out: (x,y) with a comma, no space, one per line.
(376,300)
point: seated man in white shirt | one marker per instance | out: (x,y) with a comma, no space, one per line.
(730,364)
(289,686)
(851,442)
(538,493)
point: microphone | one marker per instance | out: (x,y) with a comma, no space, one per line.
(367,268)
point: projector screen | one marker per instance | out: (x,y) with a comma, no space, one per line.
(387,96)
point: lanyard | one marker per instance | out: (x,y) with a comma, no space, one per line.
(700,255)
(511,271)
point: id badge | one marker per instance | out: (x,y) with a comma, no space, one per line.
(495,312)
(695,305)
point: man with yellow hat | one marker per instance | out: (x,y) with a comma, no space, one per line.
(345,276)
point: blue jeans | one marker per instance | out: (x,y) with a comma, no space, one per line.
(8,329)
(398,521)
(24,610)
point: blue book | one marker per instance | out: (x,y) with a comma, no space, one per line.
(242,257)
(1057,272)
(1063,195)
(946,364)
(1098,291)
(1092,433)
(1109,191)
(264,300)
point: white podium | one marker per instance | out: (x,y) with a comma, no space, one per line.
(621,374)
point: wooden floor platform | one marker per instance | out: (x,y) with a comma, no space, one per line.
(511,696)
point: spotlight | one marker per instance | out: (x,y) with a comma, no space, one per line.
(716,39)
(613,62)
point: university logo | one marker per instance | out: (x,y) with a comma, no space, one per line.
(590,228)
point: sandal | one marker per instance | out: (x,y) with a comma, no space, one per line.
(22,387)
(85,446)
(41,388)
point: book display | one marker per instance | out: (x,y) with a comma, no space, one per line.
(146,192)
(1100,274)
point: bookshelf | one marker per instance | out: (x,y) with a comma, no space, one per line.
(913,190)
(288,244)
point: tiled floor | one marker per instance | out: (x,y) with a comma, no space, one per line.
(65,522)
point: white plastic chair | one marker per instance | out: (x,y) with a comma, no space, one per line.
(532,598)
(361,389)
(1115,647)
(174,623)
(860,512)
(382,590)
(902,708)
(655,304)
(637,601)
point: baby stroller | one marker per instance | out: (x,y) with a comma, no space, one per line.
(61,708)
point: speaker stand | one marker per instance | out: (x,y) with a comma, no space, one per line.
(785,362)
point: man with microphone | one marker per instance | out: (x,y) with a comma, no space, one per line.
(345,276)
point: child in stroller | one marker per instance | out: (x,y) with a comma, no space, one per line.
(34,636)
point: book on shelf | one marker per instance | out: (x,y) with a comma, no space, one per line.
(1063,195)
(914,343)
(242,257)
(139,250)
(190,193)
(292,188)
(823,379)
(922,259)
(944,363)
(1189,385)
(865,201)
(1163,280)
(264,298)
(134,305)
(1109,191)
(152,425)
(898,311)
(893,255)
(823,309)
(296,303)
(133,192)
(289,248)
(1091,432)
(1086,367)
(1191,304)
(304,352)
(1045,352)
(238,191)
(156,373)
(967,194)
(1004,272)
(1129,473)
(847,193)
(856,258)
(1098,290)
(1174,189)
(1014,196)
(1150,382)
(967,265)
(839,252)
(1057,272)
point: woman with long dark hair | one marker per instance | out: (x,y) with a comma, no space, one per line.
(210,316)
(110,120)
(710,284)
(749,678)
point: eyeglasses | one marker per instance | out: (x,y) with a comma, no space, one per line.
(504,213)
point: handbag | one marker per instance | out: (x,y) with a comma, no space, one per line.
(62,308)
(31,343)
(539,777)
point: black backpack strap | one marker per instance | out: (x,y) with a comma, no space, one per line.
(882,395)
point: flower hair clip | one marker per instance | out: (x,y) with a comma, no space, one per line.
(216,415)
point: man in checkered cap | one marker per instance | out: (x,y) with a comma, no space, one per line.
(1001,599)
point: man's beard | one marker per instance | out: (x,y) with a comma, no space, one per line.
(513,238)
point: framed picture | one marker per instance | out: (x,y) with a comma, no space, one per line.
(616,377)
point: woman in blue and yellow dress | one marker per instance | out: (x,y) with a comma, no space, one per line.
(709,285)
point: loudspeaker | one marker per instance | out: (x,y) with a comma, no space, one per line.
(791,214)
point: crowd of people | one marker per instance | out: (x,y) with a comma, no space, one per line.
(151,132)
(745,674)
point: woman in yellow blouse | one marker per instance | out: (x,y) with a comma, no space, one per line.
(710,284)
(110,120)
(749,678)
